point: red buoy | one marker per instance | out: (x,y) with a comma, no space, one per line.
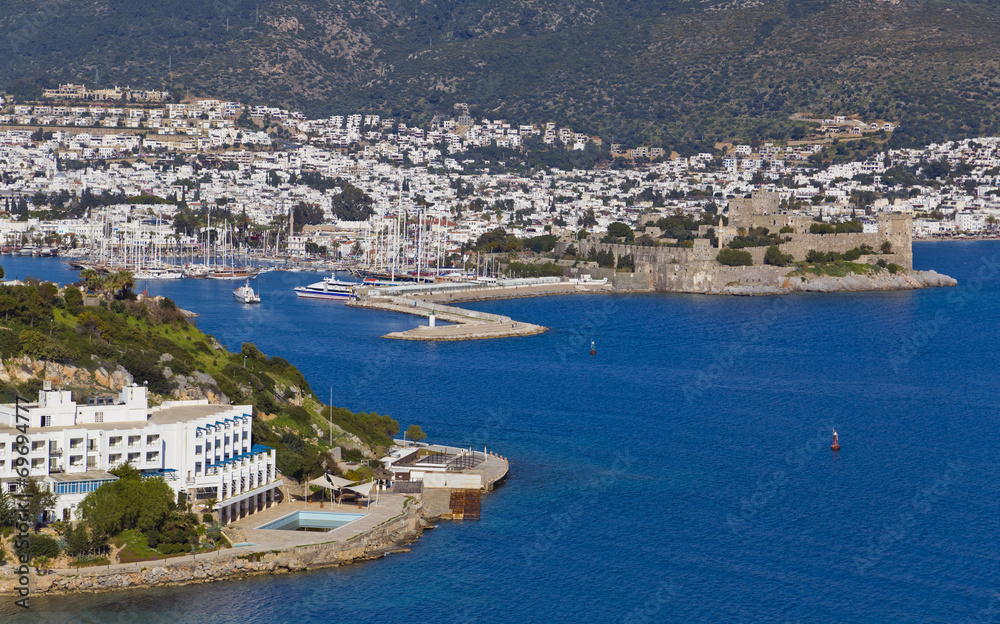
(836,442)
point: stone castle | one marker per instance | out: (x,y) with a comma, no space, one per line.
(696,270)
(763,209)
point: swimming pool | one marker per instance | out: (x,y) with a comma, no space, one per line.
(311,521)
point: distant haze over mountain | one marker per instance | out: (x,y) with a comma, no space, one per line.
(681,74)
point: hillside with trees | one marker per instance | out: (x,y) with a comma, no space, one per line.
(151,340)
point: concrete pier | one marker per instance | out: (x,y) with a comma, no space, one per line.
(467,324)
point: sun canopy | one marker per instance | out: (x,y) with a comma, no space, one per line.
(364,489)
(330,482)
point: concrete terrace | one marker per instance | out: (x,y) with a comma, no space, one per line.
(389,506)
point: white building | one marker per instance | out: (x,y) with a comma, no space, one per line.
(203,450)
(970,221)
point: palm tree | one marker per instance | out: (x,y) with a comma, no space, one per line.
(124,282)
(91,280)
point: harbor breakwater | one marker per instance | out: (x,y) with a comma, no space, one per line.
(466,324)
(230,563)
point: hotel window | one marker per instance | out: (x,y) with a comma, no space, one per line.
(3,465)
(76,460)
(115,441)
(153,456)
(91,463)
(134,440)
(37,445)
(153,439)
(91,445)
(98,417)
(197,468)
(46,420)
(114,458)
(197,450)
(133,457)
(76,443)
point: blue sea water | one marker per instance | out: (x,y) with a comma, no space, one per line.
(683,474)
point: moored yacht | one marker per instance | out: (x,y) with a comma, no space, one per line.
(329,288)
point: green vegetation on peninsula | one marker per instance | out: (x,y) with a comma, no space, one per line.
(45,331)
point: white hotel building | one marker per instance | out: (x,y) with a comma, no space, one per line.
(203,450)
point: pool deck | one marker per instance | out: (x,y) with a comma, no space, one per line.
(388,507)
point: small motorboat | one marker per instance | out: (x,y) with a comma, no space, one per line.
(245,294)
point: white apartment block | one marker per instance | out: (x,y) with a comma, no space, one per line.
(203,450)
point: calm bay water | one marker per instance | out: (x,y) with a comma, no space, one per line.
(681,474)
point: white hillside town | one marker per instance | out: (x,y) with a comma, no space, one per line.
(205,451)
(210,154)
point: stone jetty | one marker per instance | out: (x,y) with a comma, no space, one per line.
(465,324)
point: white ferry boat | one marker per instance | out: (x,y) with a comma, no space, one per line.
(157,274)
(329,288)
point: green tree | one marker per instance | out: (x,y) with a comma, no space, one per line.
(131,502)
(774,256)
(40,500)
(621,230)
(8,512)
(74,300)
(91,280)
(626,263)
(734,257)
(38,546)
(78,540)
(415,433)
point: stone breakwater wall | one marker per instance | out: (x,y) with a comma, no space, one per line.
(234,563)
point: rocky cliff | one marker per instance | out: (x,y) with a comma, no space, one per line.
(880,281)
(197,385)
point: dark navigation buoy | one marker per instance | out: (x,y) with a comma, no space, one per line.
(593,351)
(836,442)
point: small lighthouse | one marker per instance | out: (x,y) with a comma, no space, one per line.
(836,442)
(593,350)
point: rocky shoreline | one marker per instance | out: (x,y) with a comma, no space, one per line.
(882,281)
(231,563)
